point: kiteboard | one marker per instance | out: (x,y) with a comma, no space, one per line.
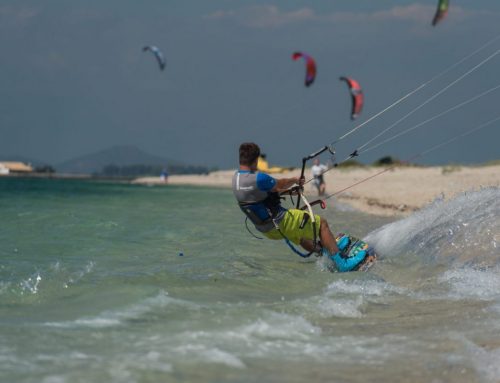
(353,247)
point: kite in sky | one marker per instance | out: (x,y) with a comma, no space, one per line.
(158,55)
(442,11)
(310,67)
(356,94)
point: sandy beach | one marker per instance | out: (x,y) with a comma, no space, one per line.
(396,191)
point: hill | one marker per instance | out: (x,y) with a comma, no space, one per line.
(118,156)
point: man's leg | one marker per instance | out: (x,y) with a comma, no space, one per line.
(322,188)
(308,245)
(327,238)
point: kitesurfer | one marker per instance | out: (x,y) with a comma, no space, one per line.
(259,197)
(317,171)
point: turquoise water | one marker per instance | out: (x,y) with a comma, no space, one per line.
(125,283)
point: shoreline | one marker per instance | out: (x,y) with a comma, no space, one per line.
(382,191)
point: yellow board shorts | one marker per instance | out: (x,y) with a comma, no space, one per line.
(290,227)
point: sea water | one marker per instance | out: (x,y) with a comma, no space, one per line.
(110,282)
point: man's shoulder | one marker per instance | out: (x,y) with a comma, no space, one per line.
(265,182)
(261,176)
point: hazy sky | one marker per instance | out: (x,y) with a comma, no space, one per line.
(74,79)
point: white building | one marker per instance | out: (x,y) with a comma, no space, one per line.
(3,169)
(7,167)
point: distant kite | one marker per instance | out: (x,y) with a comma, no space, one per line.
(356,95)
(310,67)
(158,55)
(442,11)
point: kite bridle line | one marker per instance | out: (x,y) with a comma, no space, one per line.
(460,78)
(358,151)
(434,96)
(272,120)
(458,106)
(420,87)
(421,154)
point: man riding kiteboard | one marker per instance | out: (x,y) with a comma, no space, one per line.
(259,197)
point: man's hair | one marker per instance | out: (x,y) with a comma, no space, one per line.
(249,152)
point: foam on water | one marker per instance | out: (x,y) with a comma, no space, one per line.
(345,298)
(484,359)
(363,287)
(469,282)
(207,354)
(118,317)
(284,336)
(282,326)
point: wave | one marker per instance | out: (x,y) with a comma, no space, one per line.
(119,317)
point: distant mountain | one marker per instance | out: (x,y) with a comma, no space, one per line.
(118,155)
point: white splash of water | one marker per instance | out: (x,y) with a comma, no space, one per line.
(31,284)
(464,230)
(473,283)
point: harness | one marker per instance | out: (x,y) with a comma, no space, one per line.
(272,205)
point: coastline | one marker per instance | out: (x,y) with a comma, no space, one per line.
(396,191)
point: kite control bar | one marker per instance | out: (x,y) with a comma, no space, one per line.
(307,206)
(298,189)
(310,157)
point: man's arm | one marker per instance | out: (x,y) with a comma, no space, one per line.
(284,184)
(267,183)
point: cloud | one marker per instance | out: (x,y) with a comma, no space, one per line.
(219,15)
(417,13)
(270,16)
(12,16)
(414,13)
(264,16)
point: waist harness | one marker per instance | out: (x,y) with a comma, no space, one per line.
(262,212)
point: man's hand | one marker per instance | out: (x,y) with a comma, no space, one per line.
(284,184)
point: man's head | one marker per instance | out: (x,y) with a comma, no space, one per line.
(316,161)
(249,153)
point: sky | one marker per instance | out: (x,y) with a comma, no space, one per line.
(74,79)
